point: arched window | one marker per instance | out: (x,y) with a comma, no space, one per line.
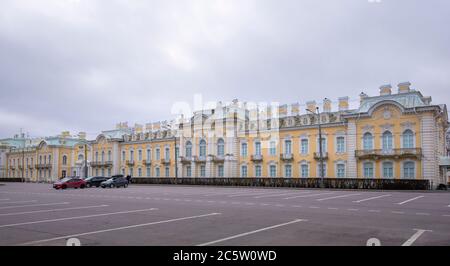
(409,170)
(202,147)
(368,141)
(188,149)
(408,139)
(220,147)
(80,157)
(387,141)
(64,160)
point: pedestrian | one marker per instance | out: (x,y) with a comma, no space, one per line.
(129,179)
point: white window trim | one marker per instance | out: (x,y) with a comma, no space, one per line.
(382,169)
(325,165)
(336,144)
(402,169)
(307,146)
(336,168)
(373,167)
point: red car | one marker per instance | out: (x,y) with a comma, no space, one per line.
(70,182)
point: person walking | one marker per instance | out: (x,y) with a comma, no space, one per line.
(129,179)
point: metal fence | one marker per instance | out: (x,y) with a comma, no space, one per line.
(342,183)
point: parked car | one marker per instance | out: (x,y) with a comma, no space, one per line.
(95,181)
(118,181)
(70,182)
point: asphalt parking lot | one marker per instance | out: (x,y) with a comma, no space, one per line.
(36,214)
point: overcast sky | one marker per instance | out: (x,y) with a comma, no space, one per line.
(83,65)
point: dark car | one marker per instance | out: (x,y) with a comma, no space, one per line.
(95,181)
(118,181)
(70,182)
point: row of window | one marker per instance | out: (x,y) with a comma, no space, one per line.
(148,154)
(42,160)
(29,173)
(304,147)
(140,173)
(387,140)
(408,169)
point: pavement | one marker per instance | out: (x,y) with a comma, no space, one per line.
(169,215)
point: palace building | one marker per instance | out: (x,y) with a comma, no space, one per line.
(397,134)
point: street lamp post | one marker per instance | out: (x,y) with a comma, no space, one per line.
(320,146)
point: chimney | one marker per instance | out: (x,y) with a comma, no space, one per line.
(295,109)
(82,135)
(282,110)
(343,103)
(326,105)
(311,105)
(385,90)
(362,96)
(404,87)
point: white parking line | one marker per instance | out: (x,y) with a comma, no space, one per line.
(33,205)
(120,228)
(251,232)
(54,210)
(310,195)
(403,202)
(372,198)
(338,197)
(15,202)
(283,194)
(76,217)
(247,194)
(414,237)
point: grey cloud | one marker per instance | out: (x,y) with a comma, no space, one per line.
(84,65)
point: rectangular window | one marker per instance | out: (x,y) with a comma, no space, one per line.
(149,155)
(131,156)
(123,156)
(157,174)
(202,171)
(140,155)
(139,172)
(340,168)
(109,172)
(167,172)
(340,144)
(148,171)
(167,154)
(273,171)
(244,171)
(409,170)
(158,154)
(258,148)
(273,148)
(323,144)
(288,171)
(287,147)
(368,170)
(258,171)
(188,171)
(305,170)
(244,149)
(388,170)
(323,170)
(220,170)
(131,171)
